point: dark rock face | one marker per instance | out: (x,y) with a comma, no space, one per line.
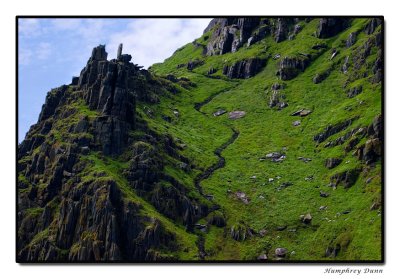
(245,68)
(329,27)
(95,224)
(241,232)
(332,162)
(146,176)
(193,64)
(347,178)
(352,92)
(320,77)
(351,39)
(62,217)
(332,129)
(371,151)
(229,34)
(290,67)
(281,30)
(53,99)
(372,25)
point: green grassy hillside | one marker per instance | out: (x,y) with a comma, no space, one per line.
(264,130)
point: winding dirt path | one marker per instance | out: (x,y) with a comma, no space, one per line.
(210,170)
(218,165)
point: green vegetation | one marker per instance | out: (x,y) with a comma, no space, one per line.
(264,130)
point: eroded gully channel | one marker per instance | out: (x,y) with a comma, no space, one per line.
(210,170)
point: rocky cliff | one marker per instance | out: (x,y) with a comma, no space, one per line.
(70,206)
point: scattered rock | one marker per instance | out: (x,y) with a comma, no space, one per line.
(375,206)
(236,114)
(209,197)
(284,185)
(309,178)
(262,232)
(242,196)
(323,194)
(296,123)
(276,56)
(270,180)
(275,157)
(219,112)
(368,180)
(280,252)
(334,53)
(301,112)
(346,211)
(281,228)
(323,207)
(305,160)
(253,177)
(306,219)
(262,257)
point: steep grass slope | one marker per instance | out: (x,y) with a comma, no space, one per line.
(343,227)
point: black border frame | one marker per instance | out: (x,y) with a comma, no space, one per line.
(204,262)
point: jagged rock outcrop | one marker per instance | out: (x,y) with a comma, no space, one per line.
(372,25)
(94,223)
(145,174)
(320,77)
(329,27)
(280,29)
(351,39)
(53,98)
(245,68)
(354,91)
(331,163)
(347,178)
(333,129)
(229,34)
(371,151)
(290,67)
(69,211)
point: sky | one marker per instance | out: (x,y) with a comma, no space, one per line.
(51,51)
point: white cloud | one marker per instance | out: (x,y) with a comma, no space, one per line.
(24,56)
(153,40)
(43,51)
(65,23)
(29,27)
